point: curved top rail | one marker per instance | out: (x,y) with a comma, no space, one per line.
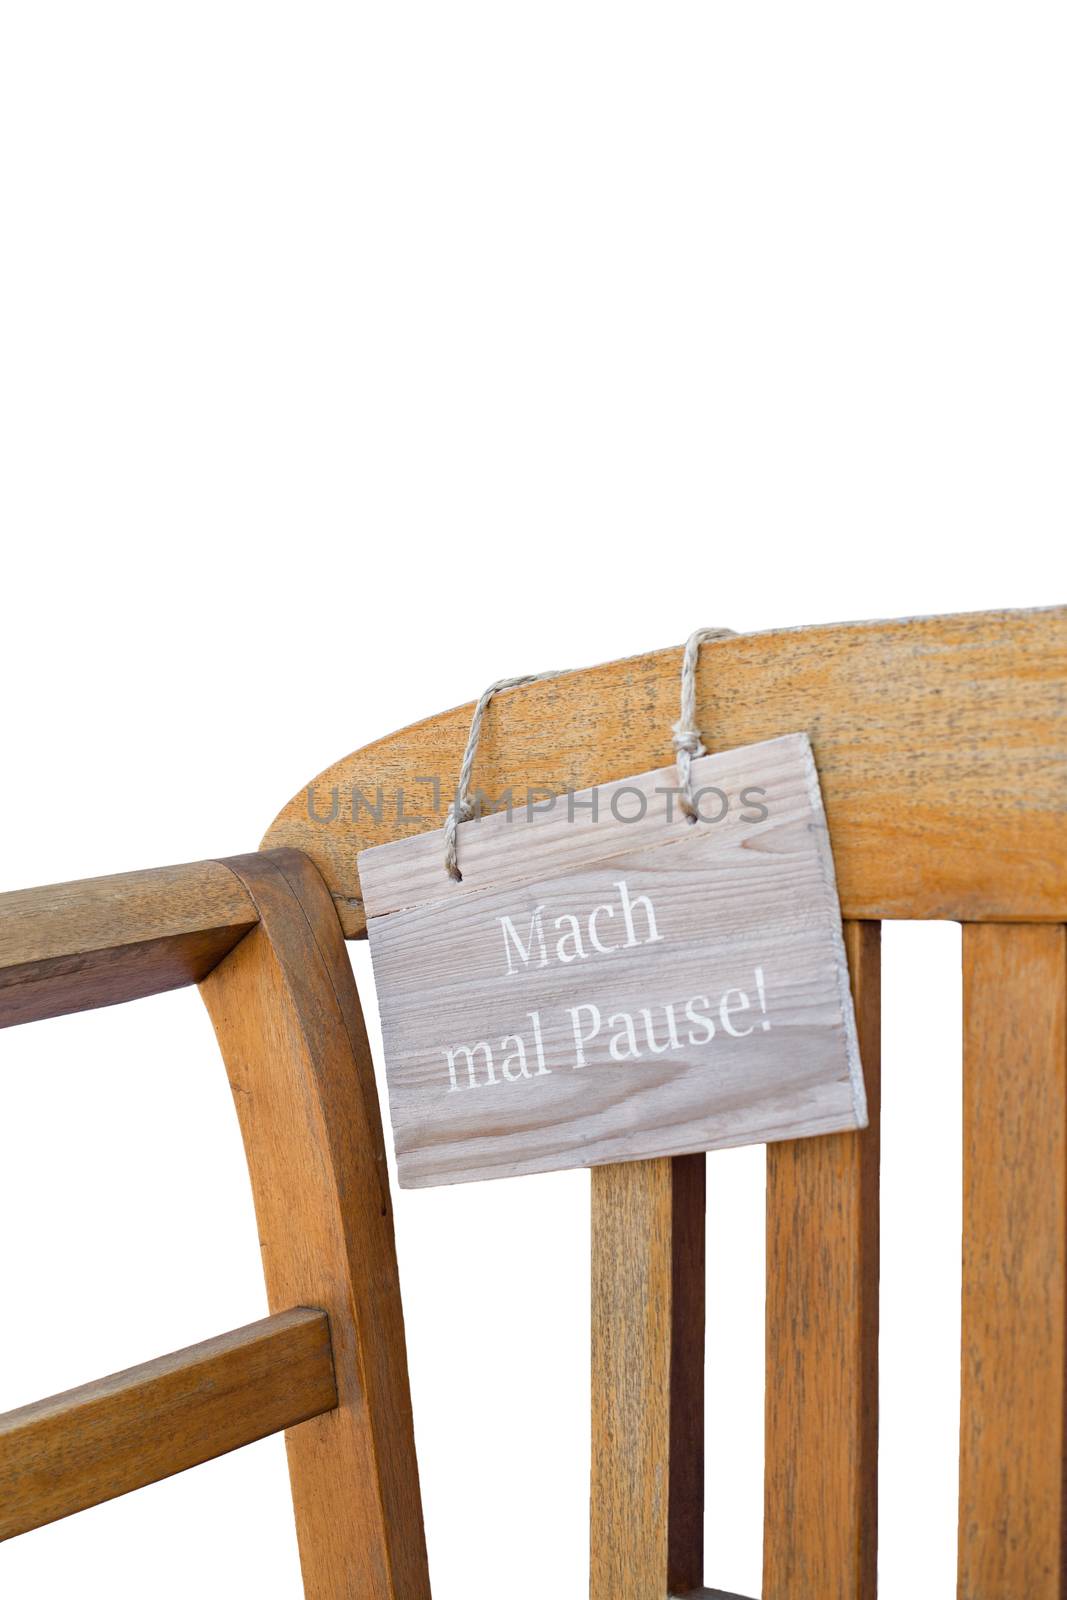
(941,744)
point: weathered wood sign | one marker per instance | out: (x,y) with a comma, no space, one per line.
(610,981)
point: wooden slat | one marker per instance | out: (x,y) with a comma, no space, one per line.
(821,1502)
(940,743)
(75,946)
(1012,1435)
(90,1444)
(647,1500)
(288,1020)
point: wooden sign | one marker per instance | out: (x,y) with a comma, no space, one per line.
(610,981)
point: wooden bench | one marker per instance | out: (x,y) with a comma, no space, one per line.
(942,749)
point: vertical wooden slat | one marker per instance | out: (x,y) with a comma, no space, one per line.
(1012,1437)
(821,1482)
(647,1501)
(288,1020)
(685,1509)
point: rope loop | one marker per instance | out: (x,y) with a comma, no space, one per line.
(686,740)
(686,735)
(462,809)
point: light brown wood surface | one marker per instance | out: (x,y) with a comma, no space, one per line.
(821,1476)
(74,946)
(90,1444)
(941,748)
(656,916)
(940,743)
(1012,1433)
(288,1020)
(647,1493)
(632,815)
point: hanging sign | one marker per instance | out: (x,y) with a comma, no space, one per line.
(610,980)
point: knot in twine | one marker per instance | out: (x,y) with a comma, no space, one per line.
(686,734)
(686,740)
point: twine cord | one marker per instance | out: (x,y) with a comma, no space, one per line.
(461,809)
(686,740)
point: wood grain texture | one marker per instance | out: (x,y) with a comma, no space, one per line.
(941,744)
(750,796)
(647,1499)
(1012,1435)
(821,1477)
(93,1443)
(569,1002)
(75,946)
(288,1020)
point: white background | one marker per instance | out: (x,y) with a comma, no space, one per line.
(352,356)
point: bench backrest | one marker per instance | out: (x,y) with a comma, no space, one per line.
(942,750)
